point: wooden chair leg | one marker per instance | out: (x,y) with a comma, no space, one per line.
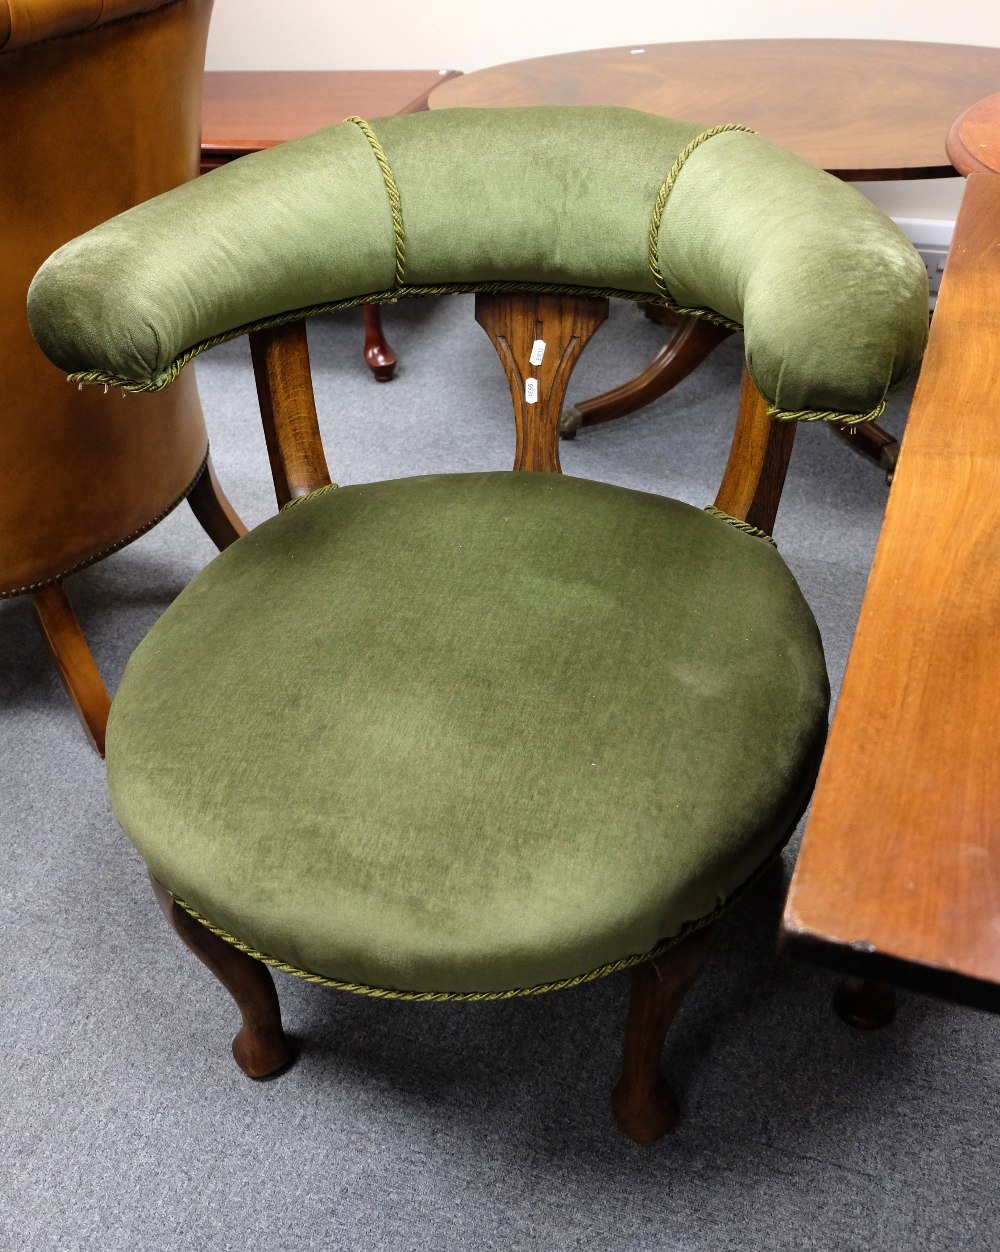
(260,1048)
(642,1102)
(77,668)
(379,357)
(209,504)
(863,1004)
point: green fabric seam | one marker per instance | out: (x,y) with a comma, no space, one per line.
(395,204)
(440,997)
(739,524)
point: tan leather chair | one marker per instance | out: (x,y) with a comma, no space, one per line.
(102,109)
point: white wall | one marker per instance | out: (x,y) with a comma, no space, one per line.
(468,35)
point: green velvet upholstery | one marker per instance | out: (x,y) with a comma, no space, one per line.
(483,734)
(833,298)
(471,733)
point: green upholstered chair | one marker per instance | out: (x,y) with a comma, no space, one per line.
(396,739)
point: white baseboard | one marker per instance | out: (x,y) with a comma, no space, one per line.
(935,232)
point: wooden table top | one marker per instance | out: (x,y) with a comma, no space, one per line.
(861,108)
(974,139)
(244,111)
(898,878)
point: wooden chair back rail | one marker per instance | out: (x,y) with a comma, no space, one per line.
(758,457)
(515,325)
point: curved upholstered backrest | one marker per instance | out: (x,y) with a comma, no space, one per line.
(832,297)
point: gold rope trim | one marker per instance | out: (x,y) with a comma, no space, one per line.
(654,224)
(101,377)
(562,984)
(740,524)
(97,378)
(826,415)
(309,495)
(440,997)
(395,205)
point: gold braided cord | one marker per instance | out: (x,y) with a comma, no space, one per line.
(320,491)
(101,377)
(659,205)
(739,524)
(439,997)
(395,205)
(97,378)
(826,415)
(561,984)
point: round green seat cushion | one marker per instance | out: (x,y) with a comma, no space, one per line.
(470,733)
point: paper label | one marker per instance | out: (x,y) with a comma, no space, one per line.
(531,390)
(537,352)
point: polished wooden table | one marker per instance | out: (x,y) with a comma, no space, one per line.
(862,109)
(974,139)
(245,111)
(898,879)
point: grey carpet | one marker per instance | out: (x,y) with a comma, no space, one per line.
(124,1123)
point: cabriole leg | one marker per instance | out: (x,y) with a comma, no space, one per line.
(642,1102)
(260,1048)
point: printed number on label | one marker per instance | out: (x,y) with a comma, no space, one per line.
(531,390)
(537,352)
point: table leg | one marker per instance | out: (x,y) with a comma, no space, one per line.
(873,442)
(689,345)
(692,341)
(379,357)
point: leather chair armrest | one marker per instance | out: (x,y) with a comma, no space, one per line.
(24,22)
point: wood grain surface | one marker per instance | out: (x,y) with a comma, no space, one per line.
(861,108)
(280,356)
(758,461)
(974,139)
(899,874)
(74,661)
(517,325)
(246,110)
